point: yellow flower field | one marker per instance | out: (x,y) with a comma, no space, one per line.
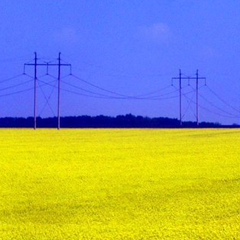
(119,184)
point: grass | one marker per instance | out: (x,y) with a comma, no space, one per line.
(119,184)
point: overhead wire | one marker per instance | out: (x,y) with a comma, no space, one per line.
(229,115)
(210,111)
(123,96)
(153,92)
(16,85)
(96,95)
(222,100)
(100,88)
(213,105)
(17,92)
(81,94)
(219,114)
(109,94)
(66,90)
(84,90)
(11,78)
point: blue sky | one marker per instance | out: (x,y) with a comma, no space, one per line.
(129,47)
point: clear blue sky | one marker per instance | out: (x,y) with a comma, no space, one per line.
(132,47)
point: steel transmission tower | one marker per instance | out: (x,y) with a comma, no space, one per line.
(196,78)
(37,64)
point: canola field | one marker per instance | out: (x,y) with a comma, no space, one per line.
(119,184)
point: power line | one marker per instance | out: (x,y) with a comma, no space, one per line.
(153,92)
(20,91)
(100,88)
(17,92)
(104,96)
(211,111)
(212,104)
(122,96)
(104,93)
(222,100)
(16,85)
(84,90)
(11,78)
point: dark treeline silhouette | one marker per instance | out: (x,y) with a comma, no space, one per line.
(121,121)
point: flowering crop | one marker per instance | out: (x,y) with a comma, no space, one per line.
(119,184)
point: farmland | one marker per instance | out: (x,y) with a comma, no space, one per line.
(119,184)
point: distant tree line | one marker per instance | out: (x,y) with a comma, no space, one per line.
(121,121)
